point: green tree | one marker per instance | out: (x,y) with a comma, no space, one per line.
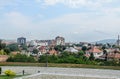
(21,58)
(2,45)
(81,53)
(13,47)
(84,48)
(42,59)
(35,51)
(2,52)
(103,47)
(24,47)
(91,57)
(60,48)
(7,50)
(106,54)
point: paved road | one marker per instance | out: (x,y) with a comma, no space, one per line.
(68,71)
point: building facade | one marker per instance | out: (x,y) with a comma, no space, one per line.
(21,41)
(60,40)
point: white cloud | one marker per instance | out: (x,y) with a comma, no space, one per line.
(78,3)
(111,11)
(17,20)
(83,25)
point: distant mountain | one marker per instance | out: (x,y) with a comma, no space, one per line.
(111,41)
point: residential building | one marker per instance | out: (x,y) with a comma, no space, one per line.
(96,52)
(3,58)
(42,43)
(60,40)
(112,55)
(53,52)
(71,49)
(21,41)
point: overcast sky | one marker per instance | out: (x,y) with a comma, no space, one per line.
(76,20)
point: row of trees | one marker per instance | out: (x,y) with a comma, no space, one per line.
(66,57)
(21,58)
(6,49)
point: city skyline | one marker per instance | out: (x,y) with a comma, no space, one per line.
(76,20)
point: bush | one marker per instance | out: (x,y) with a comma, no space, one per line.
(20,58)
(0,70)
(9,73)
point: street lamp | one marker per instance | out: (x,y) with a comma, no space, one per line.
(47,59)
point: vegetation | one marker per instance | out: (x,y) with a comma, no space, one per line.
(84,48)
(35,51)
(91,57)
(66,57)
(8,77)
(6,49)
(59,48)
(21,58)
(13,47)
(59,65)
(2,52)
(9,73)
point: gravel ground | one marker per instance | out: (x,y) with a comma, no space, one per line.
(100,73)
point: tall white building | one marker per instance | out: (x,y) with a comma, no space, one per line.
(41,42)
(60,40)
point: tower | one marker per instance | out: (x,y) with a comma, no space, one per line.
(118,41)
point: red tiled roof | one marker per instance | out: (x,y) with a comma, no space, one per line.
(114,55)
(95,50)
(53,52)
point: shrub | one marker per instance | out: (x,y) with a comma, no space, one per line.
(9,73)
(0,70)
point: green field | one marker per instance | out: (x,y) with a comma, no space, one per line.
(59,65)
(8,77)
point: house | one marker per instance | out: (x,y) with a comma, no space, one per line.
(71,49)
(3,58)
(15,53)
(43,49)
(53,52)
(112,56)
(96,52)
(42,43)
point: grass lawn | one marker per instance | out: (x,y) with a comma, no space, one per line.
(59,65)
(8,77)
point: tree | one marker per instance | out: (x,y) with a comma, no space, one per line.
(84,48)
(24,47)
(13,47)
(2,45)
(81,53)
(59,48)
(42,59)
(103,47)
(20,58)
(2,52)
(91,57)
(106,54)
(35,51)
(7,50)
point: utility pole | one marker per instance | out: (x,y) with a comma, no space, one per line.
(47,59)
